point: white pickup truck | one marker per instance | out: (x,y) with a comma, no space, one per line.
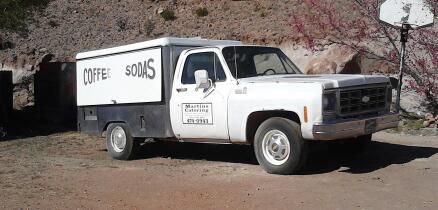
(217,91)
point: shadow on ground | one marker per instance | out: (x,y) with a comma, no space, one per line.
(376,156)
(192,151)
(323,157)
(29,123)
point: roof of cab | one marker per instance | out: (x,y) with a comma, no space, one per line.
(166,41)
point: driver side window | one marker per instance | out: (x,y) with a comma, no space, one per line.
(267,63)
(202,61)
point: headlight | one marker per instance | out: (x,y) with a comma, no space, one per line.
(388,98)
(329,101)
(389,95)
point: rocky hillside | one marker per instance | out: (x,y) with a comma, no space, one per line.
(59,29)
(66,27)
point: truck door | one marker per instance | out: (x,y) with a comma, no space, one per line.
(201,113)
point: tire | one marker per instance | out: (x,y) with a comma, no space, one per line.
(289,151)
(120,143)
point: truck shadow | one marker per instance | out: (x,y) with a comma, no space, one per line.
(192,151)
(323,157)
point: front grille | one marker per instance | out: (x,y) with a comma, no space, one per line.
(362,100)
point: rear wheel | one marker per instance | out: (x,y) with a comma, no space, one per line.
(279,146)
(119,142)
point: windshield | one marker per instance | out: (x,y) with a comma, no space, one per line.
(252,61)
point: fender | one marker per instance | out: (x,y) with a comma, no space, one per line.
(238,128)
(273,97)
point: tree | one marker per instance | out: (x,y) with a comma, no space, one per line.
(355,24)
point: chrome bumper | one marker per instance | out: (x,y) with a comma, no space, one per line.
(354,128)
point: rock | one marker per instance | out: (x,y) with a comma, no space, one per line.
(159,10)
(412,103)
(21,99)
(401,123)
(28,67)
(346,60)
(429,116)
(429,132)
(352,65)
(21,61)
(426,123)
(46,58)
(43,50)
(19,75)
(70,59)
(321,66)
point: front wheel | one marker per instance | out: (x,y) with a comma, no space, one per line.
(119,142)
(279,146)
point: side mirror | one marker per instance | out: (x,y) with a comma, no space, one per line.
(202,80)
(394,82)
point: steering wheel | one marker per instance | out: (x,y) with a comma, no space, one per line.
(268,70)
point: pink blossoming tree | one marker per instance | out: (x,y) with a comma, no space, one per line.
(355,24)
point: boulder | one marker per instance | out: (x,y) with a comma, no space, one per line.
(43,50)
(426,123)
(352,65)
(329,60)
(412,103)
(321,66)
(22,98)
(46,58)
(429,116)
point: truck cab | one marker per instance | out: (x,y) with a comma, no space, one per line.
(243,94)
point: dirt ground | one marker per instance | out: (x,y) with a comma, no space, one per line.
(71,170)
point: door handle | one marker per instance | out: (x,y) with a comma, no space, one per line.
(179,90)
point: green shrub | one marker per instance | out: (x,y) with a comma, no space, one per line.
(15,13)
(53,24)
(415,124)
(168,15)
(121,24)
(201,12)
(6,44)
(149,27)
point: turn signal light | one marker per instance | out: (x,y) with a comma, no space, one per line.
(306,119)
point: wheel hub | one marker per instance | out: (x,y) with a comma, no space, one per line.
(276,147)
(118,139)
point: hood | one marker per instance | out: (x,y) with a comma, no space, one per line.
(328,81)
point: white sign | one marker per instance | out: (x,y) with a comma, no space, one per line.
(416,13)
(197,113)
(133,77)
